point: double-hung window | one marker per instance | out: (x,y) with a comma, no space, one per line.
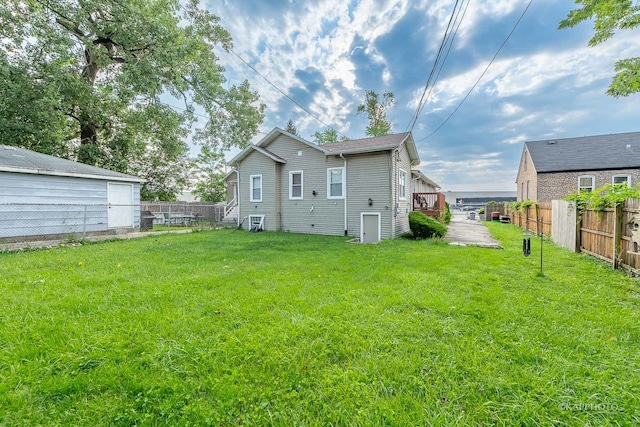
(335,183)
(255,194)
(295,185)
(586,183)
(402,185)
(621,179)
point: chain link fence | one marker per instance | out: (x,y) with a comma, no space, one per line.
(28,222)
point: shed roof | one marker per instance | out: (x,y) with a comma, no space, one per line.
(20,160)
(599,152)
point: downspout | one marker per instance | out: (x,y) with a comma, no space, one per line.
(238,194)
(344,183)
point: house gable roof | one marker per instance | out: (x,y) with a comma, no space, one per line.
(599,152)
(20,160)
(373,144)
(420,175)
(276,132)
(251,148)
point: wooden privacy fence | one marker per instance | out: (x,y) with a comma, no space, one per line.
(612,235)
(535,218)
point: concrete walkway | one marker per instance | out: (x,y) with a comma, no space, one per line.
(38,244)
(467,232)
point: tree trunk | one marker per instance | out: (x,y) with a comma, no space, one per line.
(89,151)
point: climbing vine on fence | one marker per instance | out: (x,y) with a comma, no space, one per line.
(607,196)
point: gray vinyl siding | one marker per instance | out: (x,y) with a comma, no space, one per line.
(368,177)
(35,204)
(258,164)
(313,214)
(400,223)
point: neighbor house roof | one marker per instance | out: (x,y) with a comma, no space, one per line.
(20,160)
(600,152)
(373,144)
(423,177)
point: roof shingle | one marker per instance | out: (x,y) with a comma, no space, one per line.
(599,152)
(27,160)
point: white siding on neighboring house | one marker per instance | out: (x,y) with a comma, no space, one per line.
(55,204)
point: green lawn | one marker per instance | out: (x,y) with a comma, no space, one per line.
(227,328)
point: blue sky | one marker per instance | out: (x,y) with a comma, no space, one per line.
(546,83)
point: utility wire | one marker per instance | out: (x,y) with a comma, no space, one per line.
(433,69)
(283,93)
(464,13)
(481,76)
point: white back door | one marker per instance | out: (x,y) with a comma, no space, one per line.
(120,209)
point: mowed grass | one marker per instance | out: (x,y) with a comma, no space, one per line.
(235,328)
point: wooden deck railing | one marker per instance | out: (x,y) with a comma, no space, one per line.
(431,204)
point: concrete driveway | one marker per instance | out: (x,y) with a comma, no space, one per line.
(469,232)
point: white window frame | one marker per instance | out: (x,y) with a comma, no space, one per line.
(260,218)
(528,190)
(342,174)
(291,196)
(622,175)
(251,177)
(402,187)
(593,183)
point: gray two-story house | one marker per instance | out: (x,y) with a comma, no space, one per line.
(359,187)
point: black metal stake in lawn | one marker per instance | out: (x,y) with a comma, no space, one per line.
(526,244)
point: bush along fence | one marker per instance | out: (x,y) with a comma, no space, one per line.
(610,234)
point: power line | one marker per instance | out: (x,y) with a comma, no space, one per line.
(464,13)
(433,69)
(481,76)
(283,93)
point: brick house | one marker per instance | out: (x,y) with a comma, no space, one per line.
(553,169)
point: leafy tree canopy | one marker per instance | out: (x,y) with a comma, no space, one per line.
(209,185)
(611,15)
(327,136)
(83,79)
(376,110)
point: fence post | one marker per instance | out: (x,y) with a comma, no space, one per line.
(84,223)
(578,227)
(617,236)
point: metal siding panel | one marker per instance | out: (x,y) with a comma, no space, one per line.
(368,178)
(297,216)
(50,193)
(258,164)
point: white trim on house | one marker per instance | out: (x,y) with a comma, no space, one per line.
(627,177)
(585,187)
(291,184)
(259,223)
(342,183)
(402,187)
(70,174)
(362,214)
(251,188)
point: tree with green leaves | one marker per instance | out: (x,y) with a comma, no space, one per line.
(328,136)
(610,16)
(209,176)
(87,80)
(291,128)
(376,110)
